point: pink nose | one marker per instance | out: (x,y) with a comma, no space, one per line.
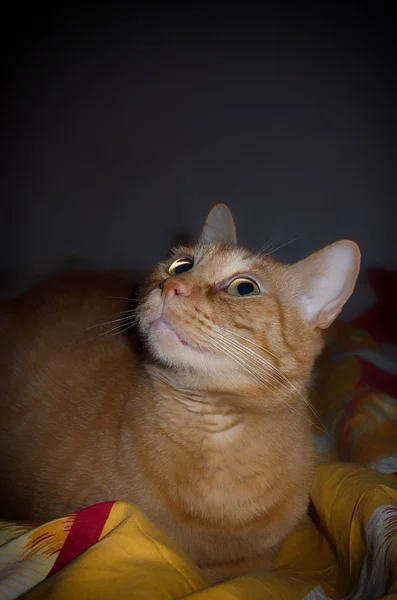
(175,287)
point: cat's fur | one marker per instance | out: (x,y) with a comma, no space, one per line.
(209,432)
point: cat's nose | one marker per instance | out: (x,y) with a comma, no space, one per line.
(173,286)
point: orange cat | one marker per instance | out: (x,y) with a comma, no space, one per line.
(209,430)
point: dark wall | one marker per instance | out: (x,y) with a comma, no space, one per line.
(122,128)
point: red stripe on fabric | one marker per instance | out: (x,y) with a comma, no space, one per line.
(84,533)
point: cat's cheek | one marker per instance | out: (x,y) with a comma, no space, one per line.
(148,312)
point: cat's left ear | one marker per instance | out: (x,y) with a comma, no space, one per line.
(219,227)
(327,279)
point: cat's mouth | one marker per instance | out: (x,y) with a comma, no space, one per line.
(162,326)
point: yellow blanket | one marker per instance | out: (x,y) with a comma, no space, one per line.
(348,549)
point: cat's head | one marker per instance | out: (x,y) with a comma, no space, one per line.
(220,309)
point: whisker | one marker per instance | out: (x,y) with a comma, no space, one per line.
(283,245)
(219,346)
(281,378)
(249,341)
(119,329)
(267,246)
(123,312)
(287,384)
(258,378)
(255,356)
(243,364)
(126,311)
(130,326)
(119,298)
(270,365)
(278,376)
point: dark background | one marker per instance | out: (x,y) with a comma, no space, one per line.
(121,126)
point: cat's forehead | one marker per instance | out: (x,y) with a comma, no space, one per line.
(220,262)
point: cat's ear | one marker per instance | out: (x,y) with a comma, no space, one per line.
(327,279)
(219,227)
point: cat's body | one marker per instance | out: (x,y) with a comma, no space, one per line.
(210,434)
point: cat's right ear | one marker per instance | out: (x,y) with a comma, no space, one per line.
(219,227)
(327,279)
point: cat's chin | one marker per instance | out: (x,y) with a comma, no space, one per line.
(164,330)
(170,348)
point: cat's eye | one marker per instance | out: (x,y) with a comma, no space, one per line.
(180,265)
(242,286)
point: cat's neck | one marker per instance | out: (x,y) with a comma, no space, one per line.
(195,388)
(194,407)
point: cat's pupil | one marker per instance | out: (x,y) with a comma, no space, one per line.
(182,268)
(245,288)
